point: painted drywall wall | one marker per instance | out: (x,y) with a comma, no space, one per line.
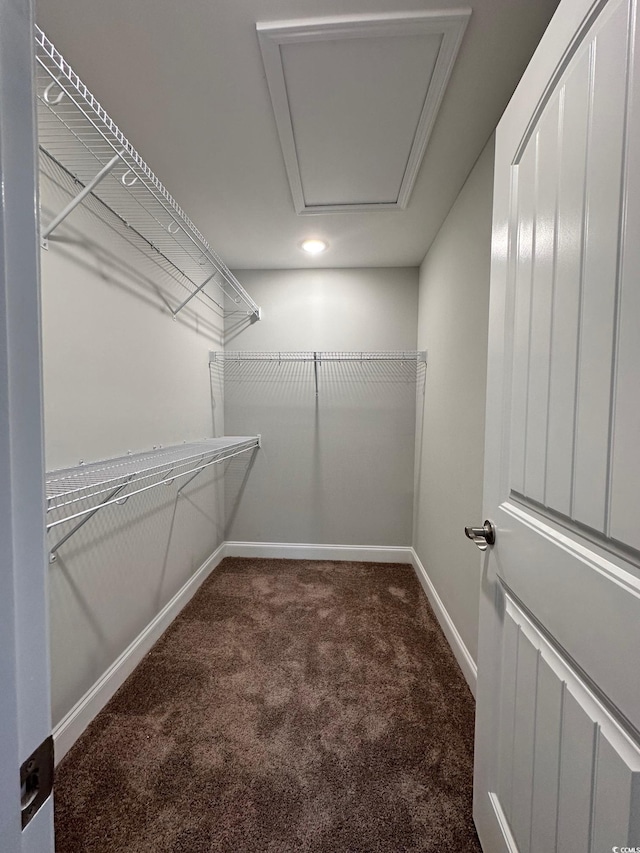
(452,325)
(336,468)
(120,375)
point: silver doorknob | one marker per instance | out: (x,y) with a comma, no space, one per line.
(482,536)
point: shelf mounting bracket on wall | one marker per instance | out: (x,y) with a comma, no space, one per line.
(44,237)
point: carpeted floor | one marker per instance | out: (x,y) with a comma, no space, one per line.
(292,706)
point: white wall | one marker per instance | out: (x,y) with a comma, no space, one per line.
(337,469)
(452,326)
(120,375)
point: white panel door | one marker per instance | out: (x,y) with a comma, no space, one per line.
(558,713)
(25,719)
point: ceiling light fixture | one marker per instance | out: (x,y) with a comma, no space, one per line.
(314,247)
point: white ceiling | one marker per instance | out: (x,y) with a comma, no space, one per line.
(186,84)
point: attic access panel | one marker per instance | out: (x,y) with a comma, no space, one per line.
(355,100)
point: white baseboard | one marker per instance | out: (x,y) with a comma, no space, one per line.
(461,652)
(76,721)
(295,551)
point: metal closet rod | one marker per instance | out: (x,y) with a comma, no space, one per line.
(77,132)
(115,497)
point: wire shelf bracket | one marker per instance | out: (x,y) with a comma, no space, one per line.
(78,135)
(53,552)
(191,296)
(44,237)
(317,357)
(69,488)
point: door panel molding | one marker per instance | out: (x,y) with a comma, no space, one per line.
(627,578)
(573,24)
(563,393)
(597,623)
(569,772)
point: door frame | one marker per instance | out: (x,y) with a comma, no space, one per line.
(25,715)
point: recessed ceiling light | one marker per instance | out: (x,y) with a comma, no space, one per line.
(314,247)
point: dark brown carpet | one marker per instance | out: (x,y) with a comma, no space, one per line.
(292,706)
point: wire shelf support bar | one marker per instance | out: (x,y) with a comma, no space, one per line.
(195,293)
(53,553)
(89,188)
(315,371)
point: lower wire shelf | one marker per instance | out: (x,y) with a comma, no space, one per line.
(71,493)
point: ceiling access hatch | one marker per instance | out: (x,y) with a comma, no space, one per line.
(355,100)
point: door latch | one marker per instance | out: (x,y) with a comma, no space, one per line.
(36,780)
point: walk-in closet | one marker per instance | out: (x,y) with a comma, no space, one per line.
(281,410)
(288,319)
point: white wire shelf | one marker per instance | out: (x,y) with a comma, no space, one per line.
(417,356)
(69,486)
(76,132)
(318,358)
(71,493)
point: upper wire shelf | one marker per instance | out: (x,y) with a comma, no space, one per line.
(76,132)
(316,356)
